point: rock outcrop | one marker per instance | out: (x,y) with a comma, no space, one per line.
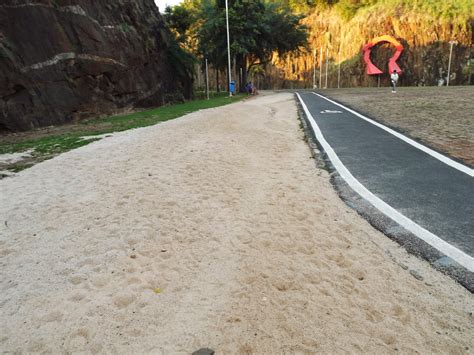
(64,60)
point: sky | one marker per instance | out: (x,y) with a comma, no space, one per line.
(162,4)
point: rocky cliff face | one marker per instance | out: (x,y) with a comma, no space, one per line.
(425,37)
(63,60)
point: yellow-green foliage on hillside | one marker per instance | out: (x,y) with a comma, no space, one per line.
(424,26)
(450,10)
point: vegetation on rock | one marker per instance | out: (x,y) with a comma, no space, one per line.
(425,28)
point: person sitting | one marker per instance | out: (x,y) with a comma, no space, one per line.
(249,88)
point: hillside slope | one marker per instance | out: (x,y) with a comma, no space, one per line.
(424,28)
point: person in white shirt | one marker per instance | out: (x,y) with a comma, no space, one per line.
(394,79)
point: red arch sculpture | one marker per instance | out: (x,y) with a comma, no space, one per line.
(392,63)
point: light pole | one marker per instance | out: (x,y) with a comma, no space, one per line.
(207,80)
(339,69)
(449,62)
(327,64)
(339,62)
(228,43)
(321,68)
(314,68)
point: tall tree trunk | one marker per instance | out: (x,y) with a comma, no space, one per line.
(239,61)
(244,71)
(218,88)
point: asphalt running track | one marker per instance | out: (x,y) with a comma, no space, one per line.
(425,192)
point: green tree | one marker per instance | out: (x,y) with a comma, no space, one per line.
(258,29)
(179,20)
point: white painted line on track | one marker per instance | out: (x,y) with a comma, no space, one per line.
(434,154)
(447,249)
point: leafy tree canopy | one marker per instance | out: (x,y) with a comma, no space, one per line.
(179,19)
(258,29)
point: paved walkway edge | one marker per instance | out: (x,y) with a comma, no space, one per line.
(417,240)
(434,154)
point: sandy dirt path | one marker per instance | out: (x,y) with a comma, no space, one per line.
(213,230)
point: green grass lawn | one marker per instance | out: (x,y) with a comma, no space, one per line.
(65,138)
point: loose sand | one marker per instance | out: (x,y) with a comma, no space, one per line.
(214,230)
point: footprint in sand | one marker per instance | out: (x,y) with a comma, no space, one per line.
(123,300)
(359,275)
(78,340)
(300,216)
(100,281)
(373,315)
(133,281)
(77,297)
(245,238)
(37,347)
(76,279)
(397,310)
(282,285)
(54,316)
(389,339)
(307,249)
(5,252)
(313,278)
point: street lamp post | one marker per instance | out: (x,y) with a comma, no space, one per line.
(207,80)
(339,69)
(449,62)
(228,43)
(339,62)
(314,68)
(327,64)
(321,68)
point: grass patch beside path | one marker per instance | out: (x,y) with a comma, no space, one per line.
(51,141)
